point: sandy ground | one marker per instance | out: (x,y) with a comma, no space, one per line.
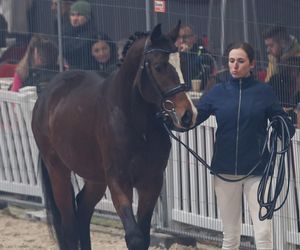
(18,231)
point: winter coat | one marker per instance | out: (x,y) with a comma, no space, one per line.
(77,45)
(242,108)
(104,69)
(292,51)
(284,87)
(197,63)
(39,77)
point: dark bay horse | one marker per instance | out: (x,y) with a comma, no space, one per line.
(108,132)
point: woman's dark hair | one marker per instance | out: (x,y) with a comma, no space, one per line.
(244,46)
(48,52)
(112,46)
(46,48)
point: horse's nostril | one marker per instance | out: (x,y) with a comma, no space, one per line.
(186,120)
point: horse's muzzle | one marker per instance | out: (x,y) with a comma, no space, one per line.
(187,119)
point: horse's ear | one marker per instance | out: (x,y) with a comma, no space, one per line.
(156,34)
(174,32)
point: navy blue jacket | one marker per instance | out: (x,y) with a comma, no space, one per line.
(242,108)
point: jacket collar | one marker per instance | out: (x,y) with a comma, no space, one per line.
(246,81)
(85,28)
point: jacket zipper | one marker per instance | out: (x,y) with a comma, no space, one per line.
(238,128)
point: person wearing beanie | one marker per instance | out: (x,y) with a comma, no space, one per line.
(78,36)
(81,8)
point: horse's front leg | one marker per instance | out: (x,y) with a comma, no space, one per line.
(87,199)
(148,193)
(122,198)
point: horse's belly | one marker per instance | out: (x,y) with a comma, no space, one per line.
(80,155)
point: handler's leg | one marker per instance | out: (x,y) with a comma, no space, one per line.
(229,198)
(262,229)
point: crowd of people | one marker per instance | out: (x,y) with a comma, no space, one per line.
(34,59)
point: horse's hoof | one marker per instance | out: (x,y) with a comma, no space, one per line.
(135,242)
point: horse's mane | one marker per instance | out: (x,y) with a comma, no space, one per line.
(137,35)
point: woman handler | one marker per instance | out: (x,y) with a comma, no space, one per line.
(242,107)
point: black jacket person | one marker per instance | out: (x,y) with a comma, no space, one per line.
(78,36)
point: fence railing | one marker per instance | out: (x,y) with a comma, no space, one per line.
(187,201)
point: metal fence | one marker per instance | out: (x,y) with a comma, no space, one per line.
(222,21)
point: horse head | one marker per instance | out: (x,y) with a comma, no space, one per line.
(160,79)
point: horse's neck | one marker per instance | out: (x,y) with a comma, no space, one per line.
(124,80)
(130,66)
(142,114)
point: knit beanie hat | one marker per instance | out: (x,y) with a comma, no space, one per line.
(81,7)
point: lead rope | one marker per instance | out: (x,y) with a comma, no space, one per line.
(266,197)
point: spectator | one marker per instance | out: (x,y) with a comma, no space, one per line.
(104,52)
(38,66)
(280,47)
(286,85)
(78,36)
(283,82)
(197,63)
(65,12)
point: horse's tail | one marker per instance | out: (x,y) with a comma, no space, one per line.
(52,212)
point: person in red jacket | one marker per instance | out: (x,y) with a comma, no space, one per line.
(38,66)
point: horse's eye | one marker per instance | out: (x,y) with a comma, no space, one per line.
(159,67)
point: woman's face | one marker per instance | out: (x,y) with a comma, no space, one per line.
(239,64)
(101,51)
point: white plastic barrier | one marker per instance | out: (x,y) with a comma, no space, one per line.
(18,157)
(188,197)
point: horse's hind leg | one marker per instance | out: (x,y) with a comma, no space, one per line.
(87,199)
(63,194)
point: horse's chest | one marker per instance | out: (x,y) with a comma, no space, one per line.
(149,153)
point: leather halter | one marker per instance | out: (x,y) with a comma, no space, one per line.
(167,106)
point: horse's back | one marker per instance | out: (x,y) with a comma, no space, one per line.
(65,117)
(65,83)
(70,93)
